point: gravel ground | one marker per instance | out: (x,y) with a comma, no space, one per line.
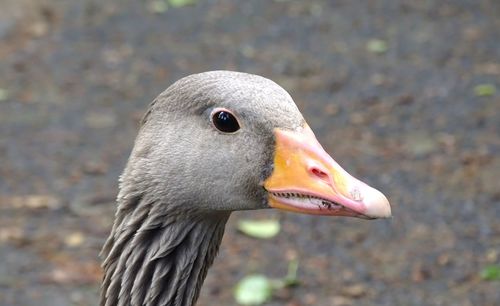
(390,87)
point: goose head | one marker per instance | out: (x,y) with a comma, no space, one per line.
(225,141)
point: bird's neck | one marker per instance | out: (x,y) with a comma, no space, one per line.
(158,257)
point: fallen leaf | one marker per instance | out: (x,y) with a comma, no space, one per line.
(74,239)
(181,3)
(253,290)
(491,273)
(256,289)
(157,6)
(4,94)
(377,46)
(354,291)
(484,90)
(262,229)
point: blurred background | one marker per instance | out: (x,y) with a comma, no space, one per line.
(404,94)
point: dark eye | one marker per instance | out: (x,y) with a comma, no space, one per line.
(224,121)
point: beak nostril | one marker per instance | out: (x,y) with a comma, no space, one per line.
(320,174)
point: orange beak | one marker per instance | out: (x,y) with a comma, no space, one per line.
(306,179)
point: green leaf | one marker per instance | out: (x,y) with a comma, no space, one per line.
(262,229)
(491,273)
(376,46)
(181,3)
(256,289)
(253,290)
(291,277)
(484,90)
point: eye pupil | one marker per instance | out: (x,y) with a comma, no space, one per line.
(225,122)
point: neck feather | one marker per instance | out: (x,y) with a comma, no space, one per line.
(158,257)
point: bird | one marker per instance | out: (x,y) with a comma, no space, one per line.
(210,144)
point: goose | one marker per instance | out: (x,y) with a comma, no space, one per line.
(210,144)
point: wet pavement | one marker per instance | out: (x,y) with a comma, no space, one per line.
(390,87)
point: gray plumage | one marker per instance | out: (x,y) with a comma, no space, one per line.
(182,181)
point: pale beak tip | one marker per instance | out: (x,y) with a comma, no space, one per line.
(377,205)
